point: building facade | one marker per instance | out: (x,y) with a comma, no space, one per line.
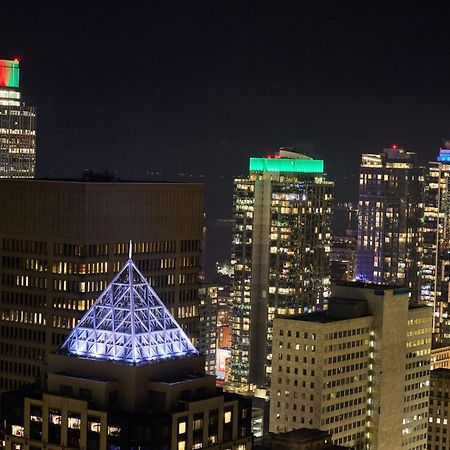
(62,242)
(439,421)
(17,126)
(280,255)
(127,376)
(359,371)
(207,342)
(390,211)
(436,244)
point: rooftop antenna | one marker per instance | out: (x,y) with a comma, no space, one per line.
(130,250)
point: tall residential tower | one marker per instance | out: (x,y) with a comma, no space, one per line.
(436,243)
(280,255)
(17,126)
(389,223)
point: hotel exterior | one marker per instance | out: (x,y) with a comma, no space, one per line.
(127,376)
(360,371)
(61,243)
(280,256)
(17,126)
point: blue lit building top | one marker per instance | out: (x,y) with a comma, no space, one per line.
(444,155)
(128,323)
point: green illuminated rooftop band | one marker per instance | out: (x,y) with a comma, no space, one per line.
(9,73)
(286,165)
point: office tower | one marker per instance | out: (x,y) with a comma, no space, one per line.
(127,376)
(390,213)
(435,275)
(439,421)
(359,370)
(61,242)
(207,344)
(280,255)
(17,126)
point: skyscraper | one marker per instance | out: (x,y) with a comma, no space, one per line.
(17,126)
(435,276)
(360,370)
(280,255)
(389,218)
(61,242)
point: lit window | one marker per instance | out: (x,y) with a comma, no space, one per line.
(74,422)
(227,416)
(198,424)
(114,431)
(182,445)
(182,428)
(17,430)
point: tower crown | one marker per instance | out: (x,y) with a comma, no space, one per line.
(128,323)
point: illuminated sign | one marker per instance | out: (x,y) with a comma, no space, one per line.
(9,73)
(286,165)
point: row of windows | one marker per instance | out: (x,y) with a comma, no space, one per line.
(21,316)
(21,351)
(24,246)
(347,357)
(15,262)
(344,381)
(62,249)
(23,299)
(346,333)
(63,267)
(342,405)
(28,370)
(19,333)
(24,281)
(349,368)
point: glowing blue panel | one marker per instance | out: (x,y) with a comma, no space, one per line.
(444,155)
(128,323)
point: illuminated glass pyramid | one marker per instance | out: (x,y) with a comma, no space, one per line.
(128,323)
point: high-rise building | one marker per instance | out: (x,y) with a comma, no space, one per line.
(207,342)
(360,370)
(61,242)
(17,126)
(439,420)
(390,211)
(435,277)
(280,255)
(127,376)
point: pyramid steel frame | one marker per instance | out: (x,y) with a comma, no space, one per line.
(128,323)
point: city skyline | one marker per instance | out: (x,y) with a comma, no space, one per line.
(219,83)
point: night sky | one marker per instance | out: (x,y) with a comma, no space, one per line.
(199,87)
